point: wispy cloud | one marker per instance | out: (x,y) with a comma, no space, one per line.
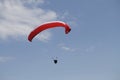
(5,59)
(71,20)
(44,36)
(66,48)
(19,17)
(78,50)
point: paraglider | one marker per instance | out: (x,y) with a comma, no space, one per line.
(48,25)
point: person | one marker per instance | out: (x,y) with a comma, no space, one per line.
(55,61)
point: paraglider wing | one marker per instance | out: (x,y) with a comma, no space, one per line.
(47,26)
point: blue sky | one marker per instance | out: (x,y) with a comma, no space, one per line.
(91,51)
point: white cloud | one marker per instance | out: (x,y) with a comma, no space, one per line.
(19,17)
(5,59)
(66,48)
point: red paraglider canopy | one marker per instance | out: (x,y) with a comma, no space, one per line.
(48,25)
